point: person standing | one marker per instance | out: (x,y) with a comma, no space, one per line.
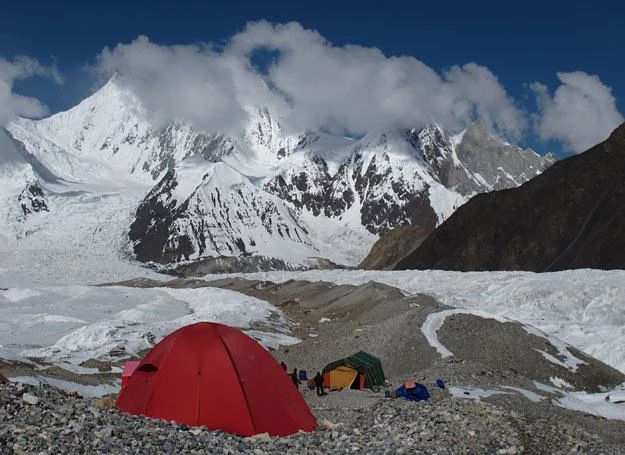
(294,378)
(319,384)
(283,365)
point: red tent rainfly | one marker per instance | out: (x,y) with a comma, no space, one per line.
(129,367)
(215,375)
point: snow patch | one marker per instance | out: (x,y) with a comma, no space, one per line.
(570,361)
(604,404)
(10,356)
(115,319)
(68,386)
(444,201)
(560,383)
(17,294)
(532,396)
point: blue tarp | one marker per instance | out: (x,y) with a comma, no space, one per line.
(417,393)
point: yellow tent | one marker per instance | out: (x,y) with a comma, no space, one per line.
(357,371)
(341,377)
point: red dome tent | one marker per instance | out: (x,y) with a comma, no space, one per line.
(214,375)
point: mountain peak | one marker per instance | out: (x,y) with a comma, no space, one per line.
(112,95)
(433,126)
(478,130)
(222,175)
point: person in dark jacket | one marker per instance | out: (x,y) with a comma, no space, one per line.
(283,365)
(319,384)
(294,378)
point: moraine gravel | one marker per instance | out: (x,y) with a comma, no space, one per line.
(42,420)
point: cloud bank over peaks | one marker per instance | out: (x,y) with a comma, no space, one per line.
(13,104)
(308,82)
(355,89)
(581,113)
(311,84)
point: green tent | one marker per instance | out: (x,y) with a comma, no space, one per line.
(362,362)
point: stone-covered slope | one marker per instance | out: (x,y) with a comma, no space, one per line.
(338,320)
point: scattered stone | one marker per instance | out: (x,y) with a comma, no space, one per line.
(106,402)
(30,399)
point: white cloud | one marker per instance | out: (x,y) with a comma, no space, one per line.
(187,82)
(13,104)
(581,113)
(312,84)
(482,96)
(354,88)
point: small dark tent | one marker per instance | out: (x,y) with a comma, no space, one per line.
(214,375)
(358,371)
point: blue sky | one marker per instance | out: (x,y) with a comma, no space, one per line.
(519,43)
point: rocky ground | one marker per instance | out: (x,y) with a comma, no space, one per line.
(41,420)
(333,322)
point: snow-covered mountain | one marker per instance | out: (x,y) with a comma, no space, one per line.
(403,177)
(215,212)
(176,194)
(108,135)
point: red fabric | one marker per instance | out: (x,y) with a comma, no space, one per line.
(214,375)
(129,368)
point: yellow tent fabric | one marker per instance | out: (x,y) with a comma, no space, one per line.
(341,377)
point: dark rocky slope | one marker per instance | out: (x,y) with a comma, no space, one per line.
(393,246)
(571,216)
